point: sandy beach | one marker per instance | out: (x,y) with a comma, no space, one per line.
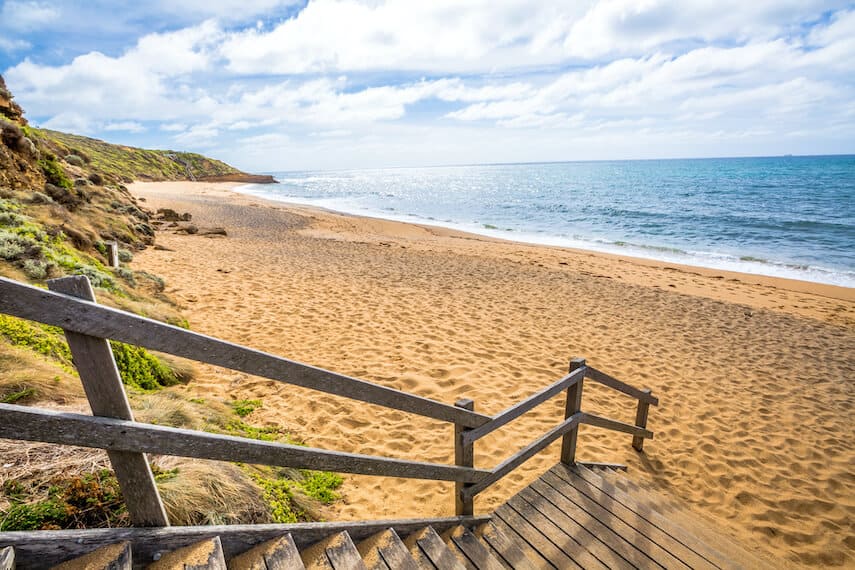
(755,374)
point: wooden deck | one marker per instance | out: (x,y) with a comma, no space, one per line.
(576,517)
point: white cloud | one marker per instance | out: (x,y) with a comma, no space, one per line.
(27,15)
(127,126)
(131,86)
(12,45)
(594,75)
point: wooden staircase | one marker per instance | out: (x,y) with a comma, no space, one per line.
(572,517)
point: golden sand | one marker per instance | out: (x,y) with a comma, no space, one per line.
(755,374)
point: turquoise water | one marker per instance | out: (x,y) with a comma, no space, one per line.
(783,216)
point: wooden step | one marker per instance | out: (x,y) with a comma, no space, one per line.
(7,558)
(607,547)
(277,554)
(427,547)
(110,557)
(469,550)
(619,535)
(336,552)
(204,555)
(386,551)
(694,542)
(510,554)
(520,529)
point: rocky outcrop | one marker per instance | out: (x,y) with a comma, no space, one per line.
(18,153)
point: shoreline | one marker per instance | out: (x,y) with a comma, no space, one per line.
(677,255)
(754,374)
(830,291)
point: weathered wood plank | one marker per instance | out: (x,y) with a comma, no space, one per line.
(558,557)
(613,548)
(523,455)
(33,424)
(430,543)
(472,549)
(641,421)
(277,554)
(38,549)
(512,553)
(102,383)
(344,556)
(688,547)
(572,545)
(109,557)
(597,421)
(572,406)
(85,317)
(204,555)
(386,549)
(524,406)
(464,456)
(614,383)
(645,537)
(7,558)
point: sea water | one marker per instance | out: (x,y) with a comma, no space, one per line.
(780,216)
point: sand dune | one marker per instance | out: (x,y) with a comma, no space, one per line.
(755,374)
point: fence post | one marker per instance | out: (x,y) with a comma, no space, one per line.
(112,253)
(102,383)
(573,405)
(464,456)
(641,421)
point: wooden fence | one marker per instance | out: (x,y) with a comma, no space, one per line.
(70,304)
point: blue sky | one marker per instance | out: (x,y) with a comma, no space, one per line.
(269,85)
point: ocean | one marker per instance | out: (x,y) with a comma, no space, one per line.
(788,216)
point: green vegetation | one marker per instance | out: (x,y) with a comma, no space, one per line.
(93,500)
(23,394)
(43,252)
(43,339)
(54,173)
(287,494)
(245,407)
(138,367)
(124,163)
(141,369)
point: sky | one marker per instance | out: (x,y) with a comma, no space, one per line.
(270,85)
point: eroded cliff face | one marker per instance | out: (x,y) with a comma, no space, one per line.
(19,155)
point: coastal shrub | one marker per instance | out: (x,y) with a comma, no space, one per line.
(75,160)
(321,485)
(54,173)
(36,269)
(141,369)
(125,256)
(294,496)
(245,407)
(137,366)
(92,500)
(43,339)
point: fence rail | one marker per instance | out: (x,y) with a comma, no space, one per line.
(70,304)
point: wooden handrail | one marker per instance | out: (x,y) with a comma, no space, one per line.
(33,424)
(89,318)
(523,455)
(615,384)
(524,406)
(606,423)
